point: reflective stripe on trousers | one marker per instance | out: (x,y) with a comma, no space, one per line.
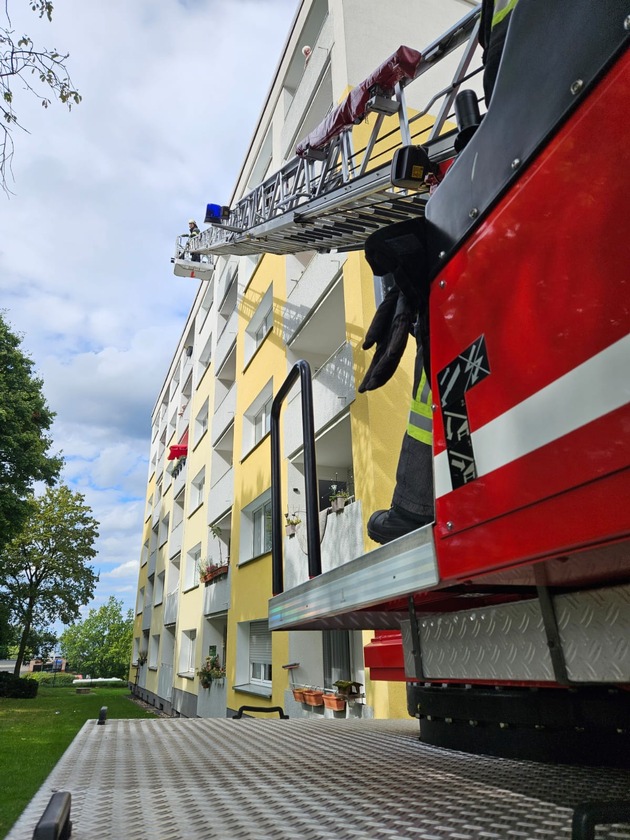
(420,425)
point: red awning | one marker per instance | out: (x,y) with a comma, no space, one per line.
(177,451)
(401,65)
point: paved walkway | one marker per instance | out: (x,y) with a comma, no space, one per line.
(306,780)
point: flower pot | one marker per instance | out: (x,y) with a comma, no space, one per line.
(314,698)
(332,701)
(290,530)
(220,571)
(298,694)
(337,504)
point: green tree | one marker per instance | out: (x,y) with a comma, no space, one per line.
(40,72)
(100,645)
(45,574)
(24,420)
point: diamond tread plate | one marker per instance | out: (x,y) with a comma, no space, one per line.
(316,780)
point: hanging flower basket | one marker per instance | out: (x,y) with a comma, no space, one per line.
(334,702)
(314,698)
(290,530)
(298,694)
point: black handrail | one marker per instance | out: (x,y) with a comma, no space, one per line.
(302,369)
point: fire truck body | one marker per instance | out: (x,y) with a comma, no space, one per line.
(515,606)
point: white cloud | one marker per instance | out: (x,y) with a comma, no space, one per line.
(171,96)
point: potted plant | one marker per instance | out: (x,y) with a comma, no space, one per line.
(291,524)
(210,670)
(313,697)
(209,571)
(338,498)
(298,693)
(142,658)
(336,702)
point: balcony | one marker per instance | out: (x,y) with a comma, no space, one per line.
(224,414)
(216,598)
(146,617)
(333,391)
(226,340)
(170,608)
(221,495)
(307,88)
(304,293)
(175,542)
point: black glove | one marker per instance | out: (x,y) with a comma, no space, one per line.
(389,330)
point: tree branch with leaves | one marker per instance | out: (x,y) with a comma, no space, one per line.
(41,72)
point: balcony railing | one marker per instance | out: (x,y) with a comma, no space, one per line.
(333,390)
(170,609)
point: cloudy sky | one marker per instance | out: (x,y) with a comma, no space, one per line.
(172,90)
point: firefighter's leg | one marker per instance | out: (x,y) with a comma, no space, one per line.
(412,503)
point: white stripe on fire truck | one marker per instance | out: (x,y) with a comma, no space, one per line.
(584,394)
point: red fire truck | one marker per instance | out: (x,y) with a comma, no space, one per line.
(509,618)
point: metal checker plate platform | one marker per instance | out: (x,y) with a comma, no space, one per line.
(313,779)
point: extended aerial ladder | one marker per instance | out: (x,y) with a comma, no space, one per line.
(331,196)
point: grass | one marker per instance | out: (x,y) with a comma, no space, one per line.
(35,733)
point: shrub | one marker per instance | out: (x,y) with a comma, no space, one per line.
(17,687)
(59,680)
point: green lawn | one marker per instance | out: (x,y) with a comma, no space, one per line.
(35,733)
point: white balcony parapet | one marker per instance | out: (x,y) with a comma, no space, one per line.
(224,414)
(165,681)
(221,495)
(170,609)
(304,293)
(310,81)
(226,340)
(333,391)
(175,541)
(216,598)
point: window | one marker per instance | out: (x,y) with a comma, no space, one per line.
(136,649)
(145,553)
(256,528)
(336,644)
(262,421)
(196,490)
(260,325)
(259,653)
(187,650)
(262,529)
(201,423)
(140,601)
(154,647)
(257,418)
(191,572)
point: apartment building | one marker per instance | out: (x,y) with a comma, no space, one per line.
(205,576)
